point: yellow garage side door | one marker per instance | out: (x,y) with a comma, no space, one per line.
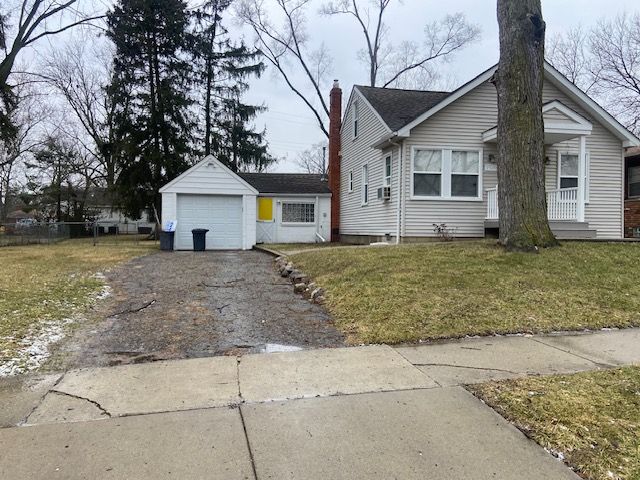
(265,209)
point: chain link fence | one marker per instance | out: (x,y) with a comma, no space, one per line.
(27,232)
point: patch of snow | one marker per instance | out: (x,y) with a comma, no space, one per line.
(555,453)
(34,348)
(104,292)
(276,348)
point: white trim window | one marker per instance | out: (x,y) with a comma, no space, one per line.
(355,114)
(427,173)
(446,173)
(568,169)
(365,184)
(297,212)
(465,173)
(387,171)
(633,182)
(350,181)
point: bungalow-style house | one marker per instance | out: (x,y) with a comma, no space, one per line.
(242,209)
(632,194)
(401,161)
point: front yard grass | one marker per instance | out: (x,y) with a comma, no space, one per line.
(592,419)
(40,284)
(410,292)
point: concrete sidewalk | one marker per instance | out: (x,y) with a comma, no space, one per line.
(363,412)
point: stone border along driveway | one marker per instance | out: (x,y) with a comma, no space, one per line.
(360,412)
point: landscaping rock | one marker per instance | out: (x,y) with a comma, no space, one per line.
(318,292)
(298,277)
(319,300)
(299,287)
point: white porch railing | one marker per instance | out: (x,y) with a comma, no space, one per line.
(562,204)
(492,203)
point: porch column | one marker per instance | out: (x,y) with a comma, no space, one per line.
(581,174)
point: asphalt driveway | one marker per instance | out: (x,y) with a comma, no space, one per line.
(195,304)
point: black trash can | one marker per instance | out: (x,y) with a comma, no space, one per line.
(199,239)
(166,240)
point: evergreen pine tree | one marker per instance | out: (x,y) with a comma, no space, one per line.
(151,88)
(223,68)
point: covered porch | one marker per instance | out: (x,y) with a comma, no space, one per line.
(567,195)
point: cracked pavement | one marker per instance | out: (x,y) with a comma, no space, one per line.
(360,412)
(179,305)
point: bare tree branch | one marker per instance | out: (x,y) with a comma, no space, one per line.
(286,44)
(442,39)
(604,61)
(313,160)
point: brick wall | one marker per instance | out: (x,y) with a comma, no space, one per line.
(631,216)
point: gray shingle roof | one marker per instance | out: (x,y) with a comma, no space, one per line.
(400,107)
(287,183)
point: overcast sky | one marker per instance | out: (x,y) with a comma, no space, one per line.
(290,126)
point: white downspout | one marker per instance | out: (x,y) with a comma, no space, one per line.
(400,183)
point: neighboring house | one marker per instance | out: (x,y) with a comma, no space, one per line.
(632,193)
(110,217)
(240,210)
(401,161)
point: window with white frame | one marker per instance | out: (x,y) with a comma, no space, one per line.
(298,212)
(427,173)
(568,170)
(633,179)
(365,184)
(465,173)
(356,114)
(350,181)
(446,173)
(386,179)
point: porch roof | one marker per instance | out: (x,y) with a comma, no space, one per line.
(561,123)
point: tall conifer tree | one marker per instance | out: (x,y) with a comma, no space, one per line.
(151,88)
(222,70)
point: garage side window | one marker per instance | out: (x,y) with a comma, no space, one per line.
(298,213)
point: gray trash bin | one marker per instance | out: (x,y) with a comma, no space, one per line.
(166,240)
(199,239)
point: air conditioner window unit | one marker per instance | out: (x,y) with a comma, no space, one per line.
(386,193)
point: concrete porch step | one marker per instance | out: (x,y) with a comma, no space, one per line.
(563,230)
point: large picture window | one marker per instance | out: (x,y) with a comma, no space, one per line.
(447,173)
(465,173)
(427,173)
(298,213)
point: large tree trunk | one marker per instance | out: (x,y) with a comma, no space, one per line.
(521,191)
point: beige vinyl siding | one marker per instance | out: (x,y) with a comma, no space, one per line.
(378,217)
(604,211)
(460,125)
(556,115)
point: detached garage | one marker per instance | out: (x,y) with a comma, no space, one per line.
(240,210)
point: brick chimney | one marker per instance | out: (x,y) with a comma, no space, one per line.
(335,123)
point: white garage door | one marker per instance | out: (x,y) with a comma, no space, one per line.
(220,214)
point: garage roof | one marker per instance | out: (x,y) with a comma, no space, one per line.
(287,183)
